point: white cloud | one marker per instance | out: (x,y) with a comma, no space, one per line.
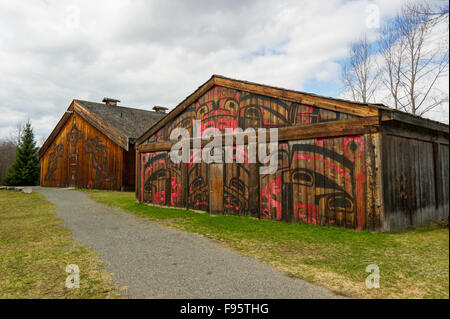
(157,52)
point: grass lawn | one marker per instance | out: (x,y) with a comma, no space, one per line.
(35,250)
(412,263)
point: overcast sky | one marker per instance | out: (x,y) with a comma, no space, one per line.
(149,53)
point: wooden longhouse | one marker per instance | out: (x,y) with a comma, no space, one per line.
(354,165)
(92,146)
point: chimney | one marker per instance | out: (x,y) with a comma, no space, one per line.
(110,102)
(160,109)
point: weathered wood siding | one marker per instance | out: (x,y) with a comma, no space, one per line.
(228,108)
(81,156)
(160,179)
(443,205)
(412,194)
(318,181)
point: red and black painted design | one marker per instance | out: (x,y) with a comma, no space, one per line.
(198,177)
(223,108)
(161,179)
(236,176)
(318,181)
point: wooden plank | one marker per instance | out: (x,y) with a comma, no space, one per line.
(216,189)
(253,191)
(319,191)
(337,215)
(184,184)
(438,183)
(444,209)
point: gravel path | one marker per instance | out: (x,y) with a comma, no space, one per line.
(158,262)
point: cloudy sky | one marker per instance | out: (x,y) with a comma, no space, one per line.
(149,53)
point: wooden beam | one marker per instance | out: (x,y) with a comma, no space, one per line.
(184,185)
(299,97)
(374,185)
(253,190)
(327,129)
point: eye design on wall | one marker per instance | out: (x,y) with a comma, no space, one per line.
(303,177)
(340,203)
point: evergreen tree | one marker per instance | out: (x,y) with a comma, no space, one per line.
(25,167)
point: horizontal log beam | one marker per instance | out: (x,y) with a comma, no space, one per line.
(321,130)
(298,97)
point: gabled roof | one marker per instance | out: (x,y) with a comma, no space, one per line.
(129,121)
(121,124)
(329,103)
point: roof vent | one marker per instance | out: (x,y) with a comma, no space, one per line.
(109,101)
(160,109)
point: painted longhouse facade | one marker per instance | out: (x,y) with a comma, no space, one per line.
(354,165)
(92,146)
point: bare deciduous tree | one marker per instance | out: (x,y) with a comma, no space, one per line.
(8,148)
(7,151)
(391,50)
(433,13)
(16,135)
(412,60)
(359,74)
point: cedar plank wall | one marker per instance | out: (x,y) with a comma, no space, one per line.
(444,178)
(320,181)
(224,108)
(415,177)
(98,160)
